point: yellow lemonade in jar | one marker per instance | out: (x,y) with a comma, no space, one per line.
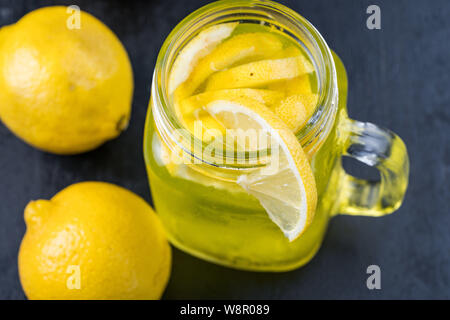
(242,74)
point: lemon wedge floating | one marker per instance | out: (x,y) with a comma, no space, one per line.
(197,48)
(240,48)
(259,73)
(287,191)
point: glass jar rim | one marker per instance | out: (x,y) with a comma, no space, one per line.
(311,136)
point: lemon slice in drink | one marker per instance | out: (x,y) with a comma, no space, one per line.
(259,73)
(285,187)
(295,110)
(241,48)
(267,97)
(292,112)
(309,101)
(203,126)
(197,48)
(191,110)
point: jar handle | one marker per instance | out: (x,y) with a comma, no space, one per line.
(380,148)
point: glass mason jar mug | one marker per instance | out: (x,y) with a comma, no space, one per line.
(207,213)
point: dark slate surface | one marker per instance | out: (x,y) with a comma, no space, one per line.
(399,78)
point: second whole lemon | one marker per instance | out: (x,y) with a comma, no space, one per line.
(93,240)
(65,87)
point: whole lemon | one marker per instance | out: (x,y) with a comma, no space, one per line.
(93,240)
(65,88)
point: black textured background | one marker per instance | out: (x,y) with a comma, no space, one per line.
(398,78)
